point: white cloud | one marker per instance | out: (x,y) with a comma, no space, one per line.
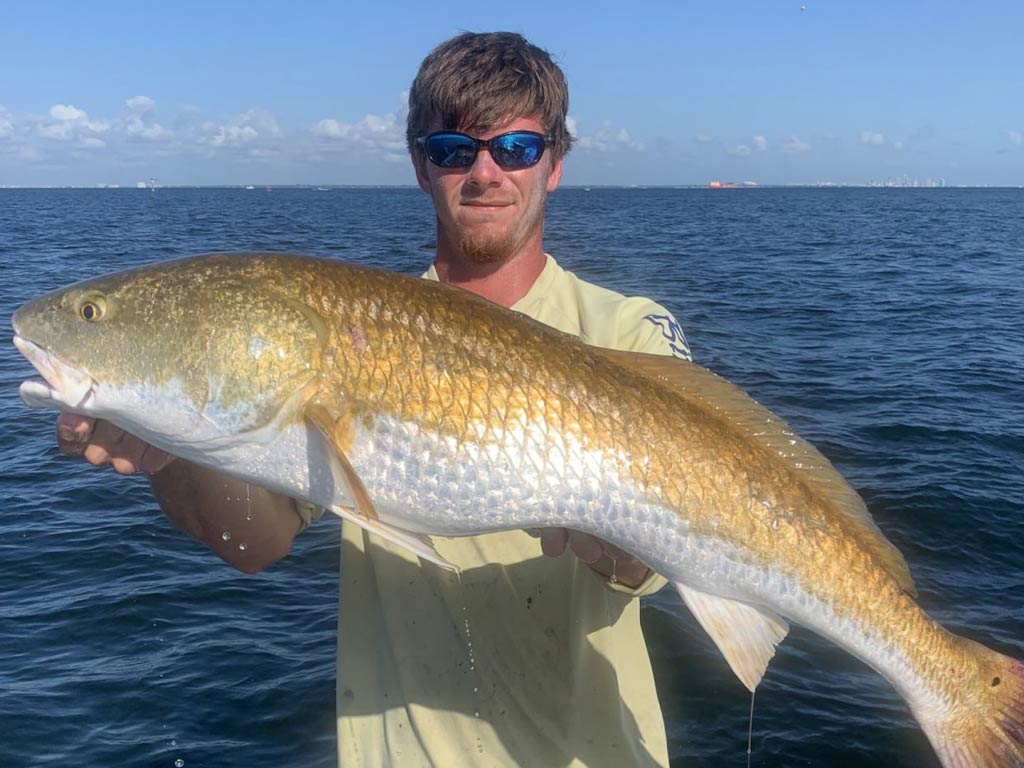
(1016,137)
(138,126)
(69,123)
(377,131)
(607,138)
(6,124)
(140,105)
(66,112)
(702,138)
(741,150)
(760,143)
(240,130)
(570,125)
(794,145)
(871,138)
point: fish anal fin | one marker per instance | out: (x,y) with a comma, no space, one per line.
(419,544)
(745,635)
(723,400)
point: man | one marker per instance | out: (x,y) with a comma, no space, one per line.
(521,659)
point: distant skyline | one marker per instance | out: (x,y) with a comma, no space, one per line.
(662,93)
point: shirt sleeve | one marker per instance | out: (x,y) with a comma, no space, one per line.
(646,326)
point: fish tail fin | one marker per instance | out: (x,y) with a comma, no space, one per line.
(986,728)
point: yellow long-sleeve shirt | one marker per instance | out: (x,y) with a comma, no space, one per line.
(524,660)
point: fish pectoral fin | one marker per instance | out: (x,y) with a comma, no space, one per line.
(417,543)
(745,635)
(362,512)
(334,431)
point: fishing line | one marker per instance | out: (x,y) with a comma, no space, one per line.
(750,726)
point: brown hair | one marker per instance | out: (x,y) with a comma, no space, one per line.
(477,81)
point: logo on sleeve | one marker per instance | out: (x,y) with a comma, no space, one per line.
(673,334)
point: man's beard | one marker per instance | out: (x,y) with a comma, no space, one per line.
(484,249)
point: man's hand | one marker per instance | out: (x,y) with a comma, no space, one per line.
(246,526)
(607,559)
(101,443)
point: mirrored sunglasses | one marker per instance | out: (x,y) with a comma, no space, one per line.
(510,151)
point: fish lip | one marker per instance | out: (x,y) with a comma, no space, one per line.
(64,384)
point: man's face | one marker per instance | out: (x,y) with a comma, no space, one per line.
(485,214)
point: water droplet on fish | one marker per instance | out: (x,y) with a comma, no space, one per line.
(226,536)
(179,763)
(243,546)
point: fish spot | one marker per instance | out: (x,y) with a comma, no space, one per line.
(256,347)
(358,336)
(996,681)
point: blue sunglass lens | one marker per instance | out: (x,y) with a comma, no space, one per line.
(517,150)
(451,150)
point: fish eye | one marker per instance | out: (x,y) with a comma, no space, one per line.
(92,309)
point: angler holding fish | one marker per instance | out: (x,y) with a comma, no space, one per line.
(560,671)
(418,412)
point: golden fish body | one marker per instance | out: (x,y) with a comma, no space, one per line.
(412,408)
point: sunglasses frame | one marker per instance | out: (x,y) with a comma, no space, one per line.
(546,141)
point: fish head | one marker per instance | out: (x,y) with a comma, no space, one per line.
(172,352)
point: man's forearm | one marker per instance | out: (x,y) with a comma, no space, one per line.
(246,526)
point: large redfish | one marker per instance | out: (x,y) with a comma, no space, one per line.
(412,408)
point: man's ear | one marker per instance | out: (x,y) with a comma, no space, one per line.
(555,175)
(419,164)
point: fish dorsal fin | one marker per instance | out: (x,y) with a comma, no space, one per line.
(745,635)
(714,394)
(335,430)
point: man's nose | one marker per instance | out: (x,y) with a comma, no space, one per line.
(484,171)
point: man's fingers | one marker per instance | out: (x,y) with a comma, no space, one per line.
(553,541)
(587,548)
(126,457)
(103,443)
(153,460)
(73,432)
(100,442)
(614,552)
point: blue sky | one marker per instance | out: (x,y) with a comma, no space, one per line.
(661,92)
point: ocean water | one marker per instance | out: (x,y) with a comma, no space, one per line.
(886,325)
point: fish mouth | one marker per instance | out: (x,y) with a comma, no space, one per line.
(63,386)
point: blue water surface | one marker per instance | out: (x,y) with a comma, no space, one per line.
(886,325)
